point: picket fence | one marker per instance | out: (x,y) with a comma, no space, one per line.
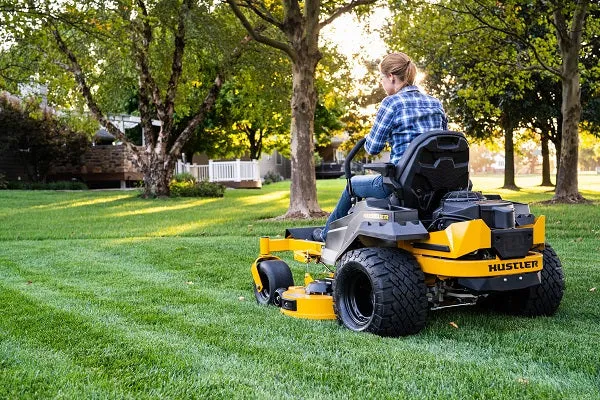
(222,171)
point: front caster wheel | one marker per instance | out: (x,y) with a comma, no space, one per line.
(274,274)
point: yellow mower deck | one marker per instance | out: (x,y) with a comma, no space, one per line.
(439,256)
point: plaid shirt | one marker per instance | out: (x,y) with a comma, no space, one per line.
(402,117)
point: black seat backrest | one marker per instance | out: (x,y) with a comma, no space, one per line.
(434,164)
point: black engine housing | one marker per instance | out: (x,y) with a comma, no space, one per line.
(467,205)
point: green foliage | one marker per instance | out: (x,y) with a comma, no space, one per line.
(272,177)
(252,113)
(58,185)
(3,181)
(184,177)
(189,188)
(589,152)
(40,138)
(317,159)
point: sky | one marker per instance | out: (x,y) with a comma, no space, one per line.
(352,37)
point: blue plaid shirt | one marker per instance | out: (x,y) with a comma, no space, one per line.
(402,117)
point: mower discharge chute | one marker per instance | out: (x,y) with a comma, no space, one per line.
(432,244)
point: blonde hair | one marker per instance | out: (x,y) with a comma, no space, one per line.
(400,65)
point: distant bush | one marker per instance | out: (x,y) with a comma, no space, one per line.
(271,177)
(40,137)
(58,185)
(3,181)
(197,189)
(67,185)
(184,177)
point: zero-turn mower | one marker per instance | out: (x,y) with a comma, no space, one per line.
(432,244)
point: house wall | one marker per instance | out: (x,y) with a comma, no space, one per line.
(101,164)
(276,163)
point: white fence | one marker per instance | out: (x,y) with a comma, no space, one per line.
(222,171)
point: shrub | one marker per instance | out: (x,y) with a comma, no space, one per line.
(67,185)
(184,177)
(272,177)
(3,181)
(318,159)
(47,139)
(58,185)
(199,189)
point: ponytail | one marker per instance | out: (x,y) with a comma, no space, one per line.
(400,65)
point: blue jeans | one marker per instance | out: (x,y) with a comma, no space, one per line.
(362,186)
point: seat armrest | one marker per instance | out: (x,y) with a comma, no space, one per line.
(385,169)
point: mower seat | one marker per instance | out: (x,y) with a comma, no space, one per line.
(434,164)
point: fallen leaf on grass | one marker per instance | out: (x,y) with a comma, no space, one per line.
(454,325)
(593,289)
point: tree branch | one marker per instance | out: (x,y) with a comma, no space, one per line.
(311,15)
(266,16)
(344,9)
(176,70)
(257,36)
(508,32)
(579,19)
(142,58)
(74,67)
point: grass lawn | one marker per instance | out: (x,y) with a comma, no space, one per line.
(105,295)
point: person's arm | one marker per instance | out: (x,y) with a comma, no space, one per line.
(382,127)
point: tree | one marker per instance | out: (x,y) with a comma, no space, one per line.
(540,108)
(295,28)
(251,115)
(137,47)
(568,20)
(39,137)
(529,31)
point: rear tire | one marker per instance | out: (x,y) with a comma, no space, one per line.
(274,274)
(381,291)
(539,300)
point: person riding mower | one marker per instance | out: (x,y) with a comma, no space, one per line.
(433,244)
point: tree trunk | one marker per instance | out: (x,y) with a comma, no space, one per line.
(509,154)
(569,36)
(303,190)
(566,180)
(158,171)
(557,141)
(546,181)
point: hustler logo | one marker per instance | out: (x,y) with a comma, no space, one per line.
(384,217)
(512,265)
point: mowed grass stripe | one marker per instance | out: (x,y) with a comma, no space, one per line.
(230,331)
(138,359)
